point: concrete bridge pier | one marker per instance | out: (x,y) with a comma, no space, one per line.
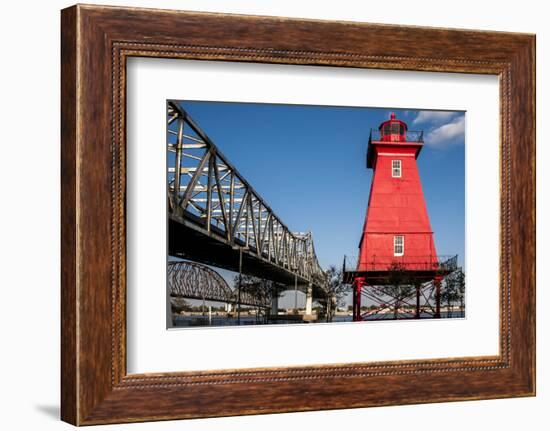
(309,316)
(274,304)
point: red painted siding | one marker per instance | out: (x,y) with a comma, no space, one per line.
(396,207)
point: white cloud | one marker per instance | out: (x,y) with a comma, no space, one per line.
(446,134)
(433,116)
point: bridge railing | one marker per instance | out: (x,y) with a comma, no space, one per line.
(205,188)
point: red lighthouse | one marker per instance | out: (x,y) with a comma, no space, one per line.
(397,230)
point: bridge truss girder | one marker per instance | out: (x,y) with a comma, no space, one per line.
(190,280)
(208,194)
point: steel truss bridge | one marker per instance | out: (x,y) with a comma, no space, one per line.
(217,218)
(190,280)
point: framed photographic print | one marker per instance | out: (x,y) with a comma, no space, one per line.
(258,271)
(251,204)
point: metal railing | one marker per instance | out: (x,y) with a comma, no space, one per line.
(409,136)
(444,263)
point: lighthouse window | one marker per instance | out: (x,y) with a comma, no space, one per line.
(395,128)
(396,168)
(398,245)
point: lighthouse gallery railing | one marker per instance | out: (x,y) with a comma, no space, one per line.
(410,136)
(442,263)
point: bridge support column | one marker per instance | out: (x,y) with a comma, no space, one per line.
(169,313)
(295,293)
(274,303)
(238,305)
(357,288)
(309,300)
(228,307)
(308,315)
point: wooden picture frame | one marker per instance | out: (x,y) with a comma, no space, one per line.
(95,43)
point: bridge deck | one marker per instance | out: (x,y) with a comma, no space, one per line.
(188,241)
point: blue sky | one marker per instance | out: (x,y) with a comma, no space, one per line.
(308,163)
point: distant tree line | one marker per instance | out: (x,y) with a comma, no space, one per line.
(452,292)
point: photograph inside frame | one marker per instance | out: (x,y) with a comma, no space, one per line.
(299,214)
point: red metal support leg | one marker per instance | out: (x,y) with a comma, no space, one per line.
(354,297)
(358,287)
(437,282)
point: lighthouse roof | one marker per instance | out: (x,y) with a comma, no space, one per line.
(393,132)
(393,126)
